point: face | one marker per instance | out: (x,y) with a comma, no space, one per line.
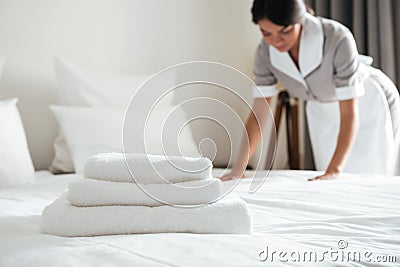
(282,38)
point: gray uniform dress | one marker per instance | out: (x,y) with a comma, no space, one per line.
(330,70)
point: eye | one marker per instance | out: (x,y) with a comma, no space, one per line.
(266,34)
(288,31)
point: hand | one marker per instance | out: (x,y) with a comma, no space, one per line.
(328,175)
(232,175)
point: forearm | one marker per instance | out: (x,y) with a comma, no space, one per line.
(248,144)
(349,124)
(254,126)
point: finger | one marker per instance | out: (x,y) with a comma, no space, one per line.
(324,177)
(226,178)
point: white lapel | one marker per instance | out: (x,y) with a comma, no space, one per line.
(310,51)
(284,63)
(311,45)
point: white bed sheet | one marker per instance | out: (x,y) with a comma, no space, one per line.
(289,215)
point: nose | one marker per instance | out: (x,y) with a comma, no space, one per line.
(276,40)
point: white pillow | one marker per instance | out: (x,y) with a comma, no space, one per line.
(89,131)
(62,161)
(16,165)
(88,88)
(85,88)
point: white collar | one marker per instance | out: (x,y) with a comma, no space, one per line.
(310,51)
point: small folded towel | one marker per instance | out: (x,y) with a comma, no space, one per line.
(90,192)
(146,168)
(227,216)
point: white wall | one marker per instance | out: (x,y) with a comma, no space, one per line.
(120,36)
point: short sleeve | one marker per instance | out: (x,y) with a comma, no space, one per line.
(264,78)
(349,79)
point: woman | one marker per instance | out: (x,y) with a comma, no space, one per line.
(316,59)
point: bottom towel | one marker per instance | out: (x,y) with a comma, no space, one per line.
(227,216)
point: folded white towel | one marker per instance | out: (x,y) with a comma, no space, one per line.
(146,168)
(90,192)
(227,216)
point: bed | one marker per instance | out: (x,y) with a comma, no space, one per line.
(352,221)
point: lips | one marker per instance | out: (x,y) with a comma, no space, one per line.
(282,47)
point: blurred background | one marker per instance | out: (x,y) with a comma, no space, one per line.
(145,36)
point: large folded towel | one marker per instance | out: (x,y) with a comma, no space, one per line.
(227,216)
(90,192)
(146,168)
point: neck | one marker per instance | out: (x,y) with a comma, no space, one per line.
(294,51)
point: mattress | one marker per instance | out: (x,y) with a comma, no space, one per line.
(352,221)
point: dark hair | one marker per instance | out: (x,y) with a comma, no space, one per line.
(280,12)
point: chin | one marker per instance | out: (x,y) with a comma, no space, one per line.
(282,49)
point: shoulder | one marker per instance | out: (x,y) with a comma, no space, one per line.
(338,38)
(262,47)
(335,30)
(262,50)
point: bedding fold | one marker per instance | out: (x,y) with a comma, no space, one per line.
(227,216)
(146,168)
(91,192)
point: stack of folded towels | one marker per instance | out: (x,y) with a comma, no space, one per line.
(156,194)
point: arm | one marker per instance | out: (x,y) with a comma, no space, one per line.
(254,125)
(349,124)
